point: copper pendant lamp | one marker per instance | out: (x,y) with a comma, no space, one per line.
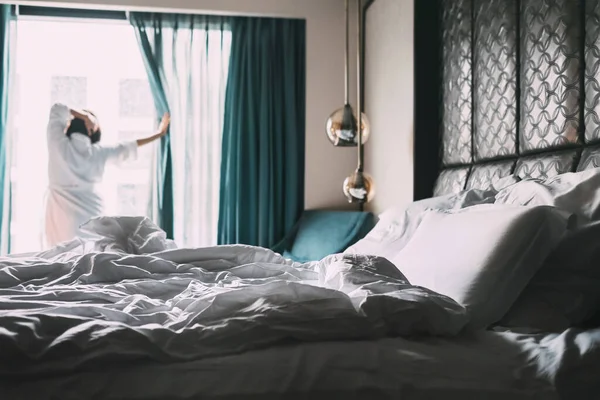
(359,186)
(342,124)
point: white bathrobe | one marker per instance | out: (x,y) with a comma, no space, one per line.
(75,168)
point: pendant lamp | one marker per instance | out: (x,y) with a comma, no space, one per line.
(342,123)
(359,187)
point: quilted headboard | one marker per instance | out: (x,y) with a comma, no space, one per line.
(519,90)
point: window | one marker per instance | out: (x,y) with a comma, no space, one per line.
(132,197)
(94,65)
(135,99)
(71,90)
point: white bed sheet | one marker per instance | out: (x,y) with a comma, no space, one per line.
(490,365)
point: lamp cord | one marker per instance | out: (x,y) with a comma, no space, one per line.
(346,66)
(358,90)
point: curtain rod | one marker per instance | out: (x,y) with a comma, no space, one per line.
(37,11)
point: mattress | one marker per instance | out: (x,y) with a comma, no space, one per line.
(487,365)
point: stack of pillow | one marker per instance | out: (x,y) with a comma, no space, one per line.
(521,255)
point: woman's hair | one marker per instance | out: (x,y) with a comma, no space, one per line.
(78,126)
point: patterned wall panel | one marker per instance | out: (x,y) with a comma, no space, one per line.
(533,99)
(483,176)
(451,180)
(592,71)
(550,73)
(547,165)
(590,158)
(456,81)
(495,78)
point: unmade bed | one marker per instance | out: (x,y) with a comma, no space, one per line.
(128,316)
(490,289)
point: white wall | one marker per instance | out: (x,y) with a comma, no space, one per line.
(389,101)
(326,166)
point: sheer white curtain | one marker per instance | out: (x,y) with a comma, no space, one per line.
(196,80)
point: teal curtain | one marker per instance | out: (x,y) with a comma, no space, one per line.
(5,49)
(150,43)
(187,57)
(262,159)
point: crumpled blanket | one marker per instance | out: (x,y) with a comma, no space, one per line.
(131,294)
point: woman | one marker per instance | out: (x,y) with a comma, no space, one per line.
(76,161)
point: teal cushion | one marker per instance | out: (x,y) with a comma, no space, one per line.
(290,256)
(321,233)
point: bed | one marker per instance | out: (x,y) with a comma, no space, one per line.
(489,289)
(129,315)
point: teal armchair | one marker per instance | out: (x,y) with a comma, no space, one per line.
(319,233)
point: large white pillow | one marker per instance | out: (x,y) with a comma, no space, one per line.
(566,290)
(482,256)
(576,192)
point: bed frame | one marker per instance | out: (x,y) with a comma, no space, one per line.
(504,87)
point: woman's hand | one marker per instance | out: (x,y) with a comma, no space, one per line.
(162,131)
(164,125)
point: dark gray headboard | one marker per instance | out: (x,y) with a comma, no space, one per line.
(519,89)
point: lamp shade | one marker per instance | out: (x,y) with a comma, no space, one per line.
(359,187)
(342,127)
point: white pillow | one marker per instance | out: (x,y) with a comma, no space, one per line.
(565,292)
(396,225)
(453,201)
(482,256)
(505,182)
(576,192)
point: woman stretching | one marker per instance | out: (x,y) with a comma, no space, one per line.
(76,161)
